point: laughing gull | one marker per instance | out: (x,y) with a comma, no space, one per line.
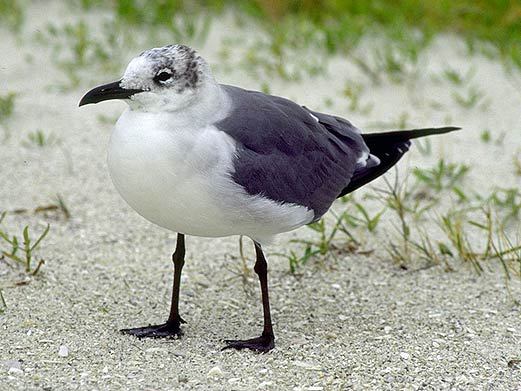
(206,159)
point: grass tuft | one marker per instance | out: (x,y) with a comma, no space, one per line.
(507,202)
(11,14)
(325,244)
(469,98)
(39,139)
(7,102)
(443,176)
(20,249)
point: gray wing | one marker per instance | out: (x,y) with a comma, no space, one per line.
(286,154)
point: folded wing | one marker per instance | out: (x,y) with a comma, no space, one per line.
(290,154)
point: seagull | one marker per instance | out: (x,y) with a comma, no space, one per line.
(206,159)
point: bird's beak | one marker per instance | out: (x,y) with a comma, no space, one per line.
(106,92)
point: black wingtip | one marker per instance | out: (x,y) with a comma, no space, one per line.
(417,133)
(430,131)
(403,135)
(447,129)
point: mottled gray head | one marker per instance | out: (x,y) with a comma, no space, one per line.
(171,74)
(174,66)
(169,78)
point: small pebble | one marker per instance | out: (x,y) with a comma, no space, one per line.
(64,351)
(215,372)
(405,355)
(15,371)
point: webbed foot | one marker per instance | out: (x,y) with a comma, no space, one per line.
(263,344)
(165,330)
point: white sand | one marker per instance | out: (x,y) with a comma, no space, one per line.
(356,323)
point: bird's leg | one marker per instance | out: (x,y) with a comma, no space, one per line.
(266,341)
(172,327)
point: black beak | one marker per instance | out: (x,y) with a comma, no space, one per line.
(106,92)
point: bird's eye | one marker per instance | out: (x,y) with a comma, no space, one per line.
(162,76)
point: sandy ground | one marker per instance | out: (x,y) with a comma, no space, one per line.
(356,323)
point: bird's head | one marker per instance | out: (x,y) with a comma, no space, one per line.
(169,78)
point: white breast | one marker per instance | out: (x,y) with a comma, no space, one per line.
(180,178)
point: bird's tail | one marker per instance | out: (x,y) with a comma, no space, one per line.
(388,147)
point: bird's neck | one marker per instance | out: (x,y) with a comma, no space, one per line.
(211,105)
(207,105)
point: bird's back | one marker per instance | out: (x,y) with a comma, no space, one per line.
(290,154)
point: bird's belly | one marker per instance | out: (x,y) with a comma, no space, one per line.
(169,183)
(167,203)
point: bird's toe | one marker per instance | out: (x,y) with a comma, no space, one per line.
(262,344)
(165,330)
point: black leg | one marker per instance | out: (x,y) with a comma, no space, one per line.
(266,341)
(172,327)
